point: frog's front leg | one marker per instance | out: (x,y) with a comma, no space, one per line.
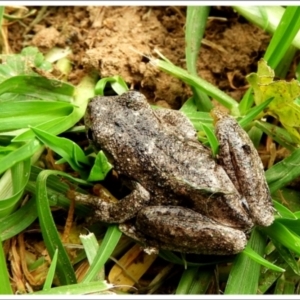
(240,160)
(121,211)
(180,229)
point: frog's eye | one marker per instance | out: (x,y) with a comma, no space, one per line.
(90,134)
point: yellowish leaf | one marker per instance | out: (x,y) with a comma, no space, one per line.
(284,105)
(130,268)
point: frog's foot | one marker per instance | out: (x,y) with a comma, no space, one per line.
(180,229)
(121,211)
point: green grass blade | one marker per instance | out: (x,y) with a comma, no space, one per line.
(105,250)
(283,236)
(283,172)
(117,84)
(194,281)
(12,185)
(283,36)
(196,18)
(283,211)
(66,148)
(52,240)
(265,17)
(38,87)
(51,272)
(213,141)
(100,167)
(246,269)
(189,108)
(5,287)
(21,153)
(278,134)
(284,286)
(77,289)
(288,257)
(254,112)
(246,102)
(84,91)
(21,114)
(16,222)
(197,82)
(267,276)
(253,255)
(91,247)
(206,261)
(1,15)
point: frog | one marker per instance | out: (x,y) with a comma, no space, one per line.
(182,197)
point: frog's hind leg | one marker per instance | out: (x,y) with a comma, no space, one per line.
(180,229)
(121,211)
(241,161)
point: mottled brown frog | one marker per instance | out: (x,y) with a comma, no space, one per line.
(181,198)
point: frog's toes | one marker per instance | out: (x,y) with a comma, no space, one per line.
(151,250)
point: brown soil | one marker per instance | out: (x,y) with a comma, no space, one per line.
(112,39)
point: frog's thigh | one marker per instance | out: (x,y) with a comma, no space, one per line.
(121,211)
(180,229)
(243,165)
(176,120)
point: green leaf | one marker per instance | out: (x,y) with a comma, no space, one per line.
(246,102)
(254,112)
(283,36)
(195,281)
(38,87)
(246,268)
(51,237)
(267,276)
(287,256)
(14,223)
(100,168)
(5,287)
(91,246)
(279,134)
(283,172)
(23,63)
(51,272)
(21,114)
(196,18)
(21,152)
(197,82)
(203,260)
(189,108)
(97,287)
(66,148)
(280,233)
(213,141)
(117,84)
(105,250)
(12,185)
(283,211)
(254,256)
(268,18)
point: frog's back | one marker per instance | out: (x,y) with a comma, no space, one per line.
(159,149)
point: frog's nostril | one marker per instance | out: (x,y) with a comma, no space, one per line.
(245,204)
(247,149)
